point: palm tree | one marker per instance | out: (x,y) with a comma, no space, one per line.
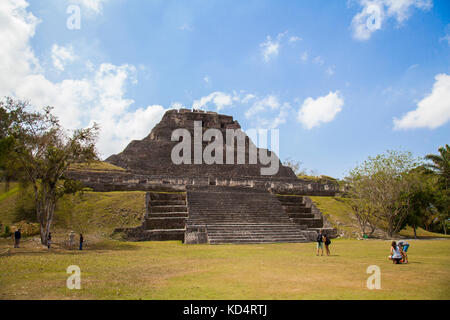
(441,164)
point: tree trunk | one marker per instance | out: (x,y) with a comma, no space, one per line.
(7,185)
(415,234)
(46,209)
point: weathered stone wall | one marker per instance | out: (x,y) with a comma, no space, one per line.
(118,181)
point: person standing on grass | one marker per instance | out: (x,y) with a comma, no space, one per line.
(320,242)
(49,240)
(71,240)
(81,241)
(17,237)
(327,242)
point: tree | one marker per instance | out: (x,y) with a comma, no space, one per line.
(441,165)
(380,185)
(43,152)
(359,194)
(294,165)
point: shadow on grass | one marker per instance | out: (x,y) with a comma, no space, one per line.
(97,247)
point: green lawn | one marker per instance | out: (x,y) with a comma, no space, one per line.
(170,270)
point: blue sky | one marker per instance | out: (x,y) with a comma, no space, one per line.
(330,75)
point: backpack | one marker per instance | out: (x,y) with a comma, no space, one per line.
(328,241)
(319,237)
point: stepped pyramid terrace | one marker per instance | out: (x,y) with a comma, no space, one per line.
(195,202)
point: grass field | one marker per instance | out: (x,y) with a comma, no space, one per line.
(170,270)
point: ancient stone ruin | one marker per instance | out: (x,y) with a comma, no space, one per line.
(218,203)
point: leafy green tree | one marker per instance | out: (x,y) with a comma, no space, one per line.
(441,165)
(44,151)
(379,186)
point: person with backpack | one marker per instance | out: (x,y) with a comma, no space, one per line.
(320,242)
(327,244)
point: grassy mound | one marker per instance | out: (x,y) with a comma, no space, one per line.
(90,213)
(99,166)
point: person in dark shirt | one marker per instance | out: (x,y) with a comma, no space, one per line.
(320,242)
(17,237)
(49,240)
(81,241)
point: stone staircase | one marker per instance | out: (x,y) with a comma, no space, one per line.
(297,210)
(165,219)
(238,215)
(303,212)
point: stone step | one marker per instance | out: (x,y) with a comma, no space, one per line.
(254,239)
(301,215)
(252,235)
(297,209)
(233,215)
(168,215)
(293,204)
(287,198)
(310,222)
(164,235)
(165,223)
(167,196)
(161,209)
(249,241)
(155,203)
(294,227)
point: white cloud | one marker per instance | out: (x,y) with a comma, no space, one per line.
(331,70)
(324,109)
(264,112)
(186,27)
(62,55)
(277,119)
(270,48)
(304,56)
(177,105)
(217,99)
(95,6)
(248,98)
(268,103)
(375,12)
(98,96)
(432,111)
(318,60)
(446,37)
(294,39)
